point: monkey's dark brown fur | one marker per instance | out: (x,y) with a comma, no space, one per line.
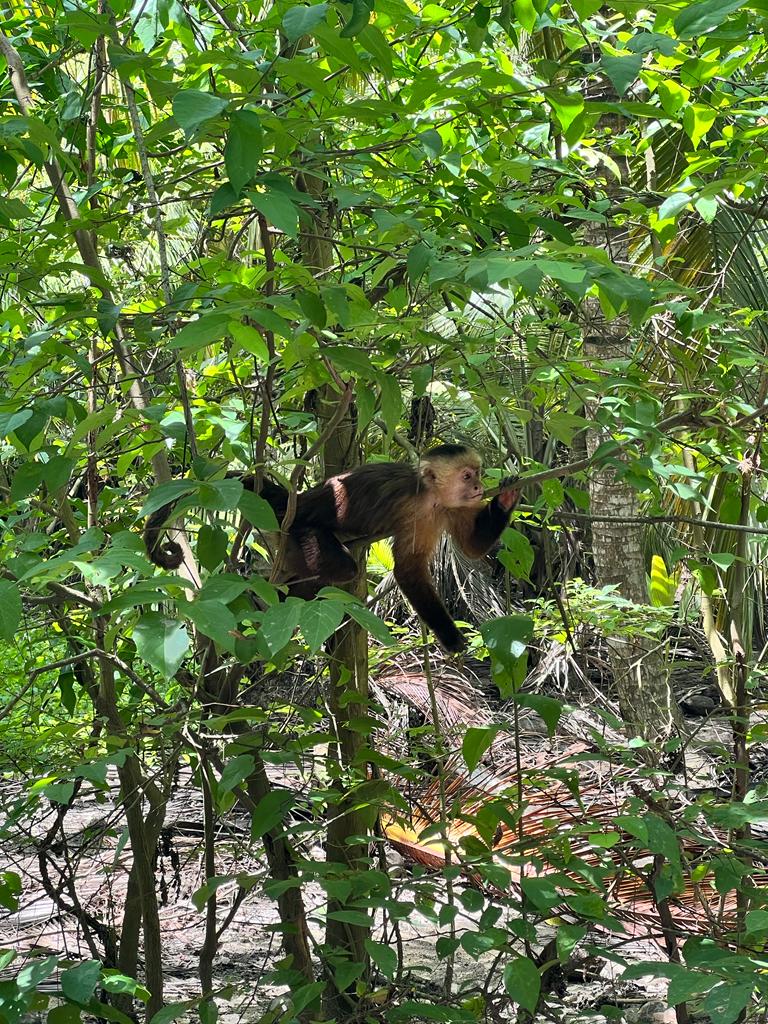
(414,506)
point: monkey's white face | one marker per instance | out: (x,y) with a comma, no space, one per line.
(462,488)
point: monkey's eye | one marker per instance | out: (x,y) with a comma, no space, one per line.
(467,475)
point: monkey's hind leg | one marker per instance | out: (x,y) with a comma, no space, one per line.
(317,559)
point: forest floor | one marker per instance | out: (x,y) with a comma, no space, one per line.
(249,948)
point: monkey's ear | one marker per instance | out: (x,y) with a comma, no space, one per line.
(427,473)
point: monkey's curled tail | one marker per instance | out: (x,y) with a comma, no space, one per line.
(168,554)
(161,549)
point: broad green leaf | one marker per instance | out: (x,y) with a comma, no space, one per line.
(673,96)
(697,120)
(10,609)
(161,642)
(662,585)
(385,957)
(673,204)
(365,617)
(279,623)
(346,972)
(201,896)
(567,106)
(517,555)
(212,545)
(251,339)
(318,620)
(192,108)
(547,708)
(698,18)
(242,152)
(10,887)
(172,1012)
(622,69)
(358,19)
(475,743)
(79,983)
(523,982)
(213,619)
(10,421)
(236,770)
(270,812)
(300,20)
(166,494)
(726,1001)
(26,480)
(32,974)
(506,639)
(257,511)
(279,210)
(206,330)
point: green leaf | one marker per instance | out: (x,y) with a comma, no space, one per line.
(517,555)
(257,511)
(506,639)
(703,17)
(32,974)
(201,896)
(270,811)
(243,149)
(56,472)
(567,106)
(167,494)
(207,329)
(383,956)
(251,339)
(213,619)
(475,743)
(355,917)
(79,983)
(299,21)
(391,401)
(726,1001)
(279,210)
(662,585)
(346,972)
(697,120)
(313,307)
(192,108)
(553,493)
(318,620)
(10,421)
(622,70)
(212,544)
(757,921)
(236,770)
(279,622)
(172,1012)
(26,480)
(673,204)
(359,18)
(523,982)
(547,708)
(161,642)
(365,617)
(10,887)
(10,609)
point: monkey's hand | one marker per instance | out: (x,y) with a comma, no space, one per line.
(509,493)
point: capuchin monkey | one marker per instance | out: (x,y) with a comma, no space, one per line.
(413,506)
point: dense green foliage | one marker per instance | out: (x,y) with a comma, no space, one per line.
(229,228)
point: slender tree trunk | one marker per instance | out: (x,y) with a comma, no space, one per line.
(638,663)
(348,696)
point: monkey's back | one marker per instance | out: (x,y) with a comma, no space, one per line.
(368,502)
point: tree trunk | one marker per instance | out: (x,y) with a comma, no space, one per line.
(637,663)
